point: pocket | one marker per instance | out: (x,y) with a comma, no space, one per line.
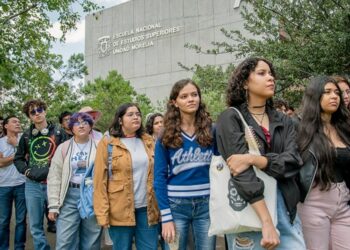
(116,158)
(115,187)
(117,162)
(174,202)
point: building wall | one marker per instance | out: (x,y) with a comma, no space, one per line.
(144,40)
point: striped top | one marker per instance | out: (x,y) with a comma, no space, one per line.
(181,172)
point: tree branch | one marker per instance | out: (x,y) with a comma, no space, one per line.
(19,13)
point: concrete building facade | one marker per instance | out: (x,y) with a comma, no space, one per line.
(144,40)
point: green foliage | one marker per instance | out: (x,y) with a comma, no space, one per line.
(27,67)
(212,81)
(107,94)
(161,106)
(25,40)
(59,94)
(301,38)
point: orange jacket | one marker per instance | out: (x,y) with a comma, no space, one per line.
(114,195)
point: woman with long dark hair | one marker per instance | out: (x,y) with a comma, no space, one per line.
(182,159)
(250,90)
(124,198)
(324,140)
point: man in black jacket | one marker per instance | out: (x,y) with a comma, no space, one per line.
(35,150)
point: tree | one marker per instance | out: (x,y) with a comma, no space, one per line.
(302,38)
(59,94)
(25,40)
(107,94)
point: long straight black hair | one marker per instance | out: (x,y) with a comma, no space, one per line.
(311,130)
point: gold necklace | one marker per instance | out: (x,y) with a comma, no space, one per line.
(257,119)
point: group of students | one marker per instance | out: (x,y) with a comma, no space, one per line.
(156,182)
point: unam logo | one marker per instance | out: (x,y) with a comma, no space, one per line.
(104,46)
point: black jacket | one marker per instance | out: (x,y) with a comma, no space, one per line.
(34,152)
(307,174)
(284,161)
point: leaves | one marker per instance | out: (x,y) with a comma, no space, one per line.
(27,66)
(301,38)
(212,81)
(59,95)
(107,94)
(25,40)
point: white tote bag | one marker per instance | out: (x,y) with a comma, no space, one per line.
(229,213)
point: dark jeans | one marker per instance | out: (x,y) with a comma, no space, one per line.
(146,236)
(8,195)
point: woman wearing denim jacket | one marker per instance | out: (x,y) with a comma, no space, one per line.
(250,90)
(124,199)
(324,141)
(182,158)
(68,166)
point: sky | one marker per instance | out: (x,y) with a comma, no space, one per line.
(75,40)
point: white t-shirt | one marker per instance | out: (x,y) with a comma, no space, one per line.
(9,176)
(96,135)
(79,161)
(139,160)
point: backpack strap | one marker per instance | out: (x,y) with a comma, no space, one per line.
(64,149)
(109,159)
(59,135)
(110,150)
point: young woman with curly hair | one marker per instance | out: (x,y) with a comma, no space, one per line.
(250,90)
(182,159)
(324,140)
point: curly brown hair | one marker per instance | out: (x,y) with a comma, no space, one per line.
(236,94)
(172,119)
(32,103)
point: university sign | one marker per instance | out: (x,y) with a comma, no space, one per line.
(129,40)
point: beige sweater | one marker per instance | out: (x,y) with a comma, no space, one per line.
(60,173)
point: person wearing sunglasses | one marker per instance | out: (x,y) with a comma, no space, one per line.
(34,152)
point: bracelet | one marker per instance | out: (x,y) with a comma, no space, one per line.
(27,172)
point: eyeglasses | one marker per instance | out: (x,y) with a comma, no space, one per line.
(131,114)
(82,123)
(37,110)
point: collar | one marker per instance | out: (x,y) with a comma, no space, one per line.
(147,140)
